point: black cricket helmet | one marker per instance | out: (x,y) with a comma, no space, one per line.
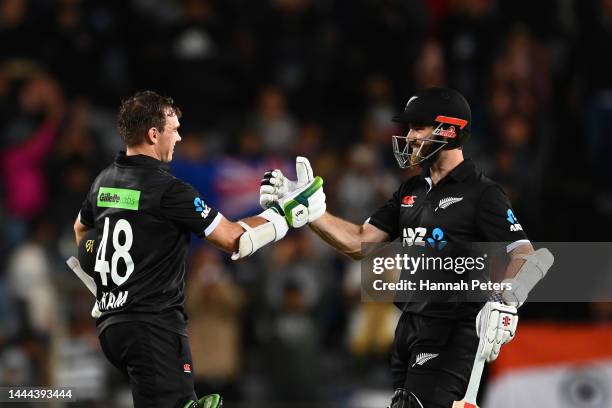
(443,108)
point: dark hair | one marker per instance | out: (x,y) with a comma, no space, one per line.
(139,113)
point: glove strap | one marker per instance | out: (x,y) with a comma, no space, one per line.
(496,297)
(278,220)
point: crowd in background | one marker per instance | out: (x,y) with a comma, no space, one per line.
(260,82)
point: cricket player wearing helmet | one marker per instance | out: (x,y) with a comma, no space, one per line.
(435,343)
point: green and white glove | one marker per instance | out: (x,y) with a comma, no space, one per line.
(301,201)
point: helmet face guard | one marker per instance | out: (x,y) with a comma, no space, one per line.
(408,155)
(410,151)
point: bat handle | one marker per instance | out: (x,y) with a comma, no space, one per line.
(474,384)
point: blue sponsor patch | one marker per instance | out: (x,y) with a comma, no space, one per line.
(511,218)
(436,241)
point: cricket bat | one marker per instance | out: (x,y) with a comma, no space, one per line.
(469,400)
(74,264)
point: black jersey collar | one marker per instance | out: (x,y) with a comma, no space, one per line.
(459,173)
(139,160)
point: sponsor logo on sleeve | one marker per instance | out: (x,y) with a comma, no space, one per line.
(514,224)
(201,207)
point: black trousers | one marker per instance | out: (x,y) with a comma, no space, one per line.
(433,358)
(156,361)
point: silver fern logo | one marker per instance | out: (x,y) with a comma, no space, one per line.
(422,358)
(448,201)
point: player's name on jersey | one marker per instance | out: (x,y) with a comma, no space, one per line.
(110,301)
(431,286)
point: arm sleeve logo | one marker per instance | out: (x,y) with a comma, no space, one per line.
(514,224)
(201,207)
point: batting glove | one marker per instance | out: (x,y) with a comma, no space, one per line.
(495,326)
(301,201)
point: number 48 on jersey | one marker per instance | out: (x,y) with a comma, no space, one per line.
(120,251)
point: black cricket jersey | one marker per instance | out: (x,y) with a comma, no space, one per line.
(143,217)
(464,207)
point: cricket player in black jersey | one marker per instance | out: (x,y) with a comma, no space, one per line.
(143,218)
(435,343)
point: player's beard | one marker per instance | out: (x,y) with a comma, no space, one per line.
(420,149)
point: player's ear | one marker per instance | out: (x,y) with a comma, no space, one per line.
(152,135)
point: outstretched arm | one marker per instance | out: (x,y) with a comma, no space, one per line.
(345,236)
(227,234)
(246,236)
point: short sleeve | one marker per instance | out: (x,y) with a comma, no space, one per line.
(496,220)
(86,214)
(182,204)
(386,218)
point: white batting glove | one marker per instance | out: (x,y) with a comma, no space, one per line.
(300,201)
(495,326)
(275,185)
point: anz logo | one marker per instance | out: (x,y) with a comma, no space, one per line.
(414,236)
(514,224)
(418,236)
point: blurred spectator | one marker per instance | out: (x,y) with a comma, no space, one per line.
(272,121)
(30,277)
(429,67)
(362,187)
(16,368)
(41,104)
(75,162)
(213,303)
(10,323)
(371,325)
(296,284)
(81,365)
(470,33)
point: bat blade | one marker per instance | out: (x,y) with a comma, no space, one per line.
(463,404)
(87,280)
(74,264)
